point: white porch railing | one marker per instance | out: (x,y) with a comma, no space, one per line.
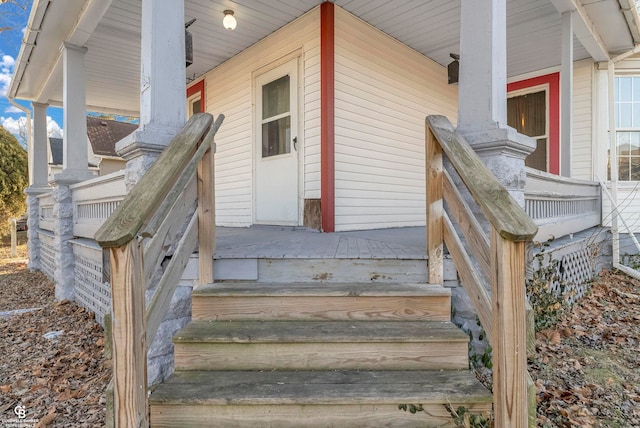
(559,205)
(45,202)
(94,200)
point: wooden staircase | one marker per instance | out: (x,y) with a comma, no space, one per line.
(353,370)
(317,355)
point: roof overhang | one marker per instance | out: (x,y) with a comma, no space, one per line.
(111,31)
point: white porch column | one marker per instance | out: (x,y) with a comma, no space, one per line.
(482,94)
(483,66)
(75,167)
(75,153)
(566,93)
(38,167)
(38,150)
(163,113)
(162,86)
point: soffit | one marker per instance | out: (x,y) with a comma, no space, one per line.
(432,28)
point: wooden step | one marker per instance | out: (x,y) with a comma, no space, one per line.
(320,345)
(287,399)
(292,269)
(321,301)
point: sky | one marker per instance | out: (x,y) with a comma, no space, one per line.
(11,118)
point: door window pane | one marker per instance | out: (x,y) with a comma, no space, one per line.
(276,137)
(275,98)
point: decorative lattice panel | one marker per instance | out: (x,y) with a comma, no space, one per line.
(90,291)
(575,270)
(47,255)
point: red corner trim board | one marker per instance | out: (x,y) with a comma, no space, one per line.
(327,109)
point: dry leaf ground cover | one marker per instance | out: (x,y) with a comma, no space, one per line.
(60,381)
(588,366)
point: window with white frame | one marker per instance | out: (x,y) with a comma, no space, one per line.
(627,105)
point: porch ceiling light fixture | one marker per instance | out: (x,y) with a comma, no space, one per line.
(229,21)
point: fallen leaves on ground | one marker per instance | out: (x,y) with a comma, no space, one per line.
(588,366)
(60,381)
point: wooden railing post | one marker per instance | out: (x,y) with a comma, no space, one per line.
(509,343)
(206,217)
(129,332)
(435,209)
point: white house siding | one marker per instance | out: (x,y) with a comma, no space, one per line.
(581,156)
(229,90)
(383,92)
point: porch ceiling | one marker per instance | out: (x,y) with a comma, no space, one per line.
(111,31)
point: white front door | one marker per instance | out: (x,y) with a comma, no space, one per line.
(276,146)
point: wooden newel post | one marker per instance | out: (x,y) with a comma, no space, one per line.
(129,336)
(206,217)
(509,339)
(435,209)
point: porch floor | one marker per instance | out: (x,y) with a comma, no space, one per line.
(275,242)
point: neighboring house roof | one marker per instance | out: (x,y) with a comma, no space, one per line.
(104,134)
(56,150)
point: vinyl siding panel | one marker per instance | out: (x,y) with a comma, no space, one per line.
(582,132)
(229,90)
(383,92)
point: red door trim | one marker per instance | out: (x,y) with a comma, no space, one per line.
(327,111)
(553,80)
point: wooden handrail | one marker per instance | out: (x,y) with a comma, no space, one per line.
(157,207)
(136,208)
(501,210)
(498,260)
(181,182)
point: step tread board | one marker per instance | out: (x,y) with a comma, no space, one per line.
(320,387)
(324,289)
(287,307)
(319,332)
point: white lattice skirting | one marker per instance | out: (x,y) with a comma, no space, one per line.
(575,271)
(47,253)
(90,291)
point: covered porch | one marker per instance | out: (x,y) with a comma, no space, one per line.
(114,58)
